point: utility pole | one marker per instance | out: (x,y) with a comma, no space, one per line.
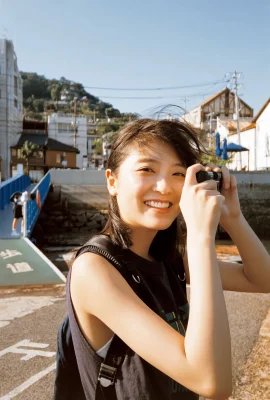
(75,121)
(185,100)
(210,115)
(235,77)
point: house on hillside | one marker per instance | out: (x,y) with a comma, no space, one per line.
(50,154)
(255,137)
(221,105)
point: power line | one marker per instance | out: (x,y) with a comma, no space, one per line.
(160,88)
(182,96)
(143,89)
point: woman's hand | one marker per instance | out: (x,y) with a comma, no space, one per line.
(201,204)
(231,208)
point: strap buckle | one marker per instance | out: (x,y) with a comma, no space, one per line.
(107,375)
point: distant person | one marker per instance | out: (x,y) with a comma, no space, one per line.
(18,199)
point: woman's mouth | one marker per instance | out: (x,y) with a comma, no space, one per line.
(158,204)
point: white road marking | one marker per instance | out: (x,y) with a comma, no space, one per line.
(17,307)
(49,263)
(28,353)
(17,268)
(29,382)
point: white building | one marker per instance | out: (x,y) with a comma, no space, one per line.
(255,137)
(222,105)
(11,103)
(65,129)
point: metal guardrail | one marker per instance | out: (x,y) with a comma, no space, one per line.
(16,184)
(31,209)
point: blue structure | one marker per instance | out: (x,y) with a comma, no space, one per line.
(32,210)
(17,184)
(235,148)
(224,155)
(218,151)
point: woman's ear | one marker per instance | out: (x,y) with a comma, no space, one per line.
(111,182)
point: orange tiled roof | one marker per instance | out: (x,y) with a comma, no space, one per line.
(231,125)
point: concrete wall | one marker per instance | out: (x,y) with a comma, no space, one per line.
(87,189)
(263,139)
(95,177)
(77,177)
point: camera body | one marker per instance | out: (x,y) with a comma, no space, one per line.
(202,176)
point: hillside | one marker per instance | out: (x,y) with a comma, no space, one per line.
(50,95)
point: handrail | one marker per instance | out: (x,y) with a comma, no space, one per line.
(31,208)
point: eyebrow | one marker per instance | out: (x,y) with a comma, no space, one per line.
(151,160)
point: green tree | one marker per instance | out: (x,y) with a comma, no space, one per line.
(97,146)
(210,157)
(27,151)
(56,92)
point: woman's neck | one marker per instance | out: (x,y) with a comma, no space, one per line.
(141,243)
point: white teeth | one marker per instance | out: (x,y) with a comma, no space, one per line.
(157,204)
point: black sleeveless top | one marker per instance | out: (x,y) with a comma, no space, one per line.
(138,380)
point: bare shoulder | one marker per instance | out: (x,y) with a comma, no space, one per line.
(94,279)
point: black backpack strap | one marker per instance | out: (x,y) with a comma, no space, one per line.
(67,377)
(108,370)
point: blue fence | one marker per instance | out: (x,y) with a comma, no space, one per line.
(32,211)
(17,184)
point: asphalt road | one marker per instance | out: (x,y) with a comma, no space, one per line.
(23,380)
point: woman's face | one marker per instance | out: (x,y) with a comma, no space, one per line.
(148,187)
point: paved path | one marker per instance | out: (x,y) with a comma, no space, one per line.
(35,315)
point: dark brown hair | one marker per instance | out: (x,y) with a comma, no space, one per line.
(141,134)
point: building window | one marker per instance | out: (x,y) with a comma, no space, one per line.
(58,158)
(13,152)
(16,103)
(40,154)
(63,128)
(19,153)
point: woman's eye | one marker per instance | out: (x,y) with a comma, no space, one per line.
(180,174)
(146,169)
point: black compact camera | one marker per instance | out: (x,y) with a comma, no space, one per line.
(202,176)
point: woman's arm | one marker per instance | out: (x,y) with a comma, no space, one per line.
(207,342)
(256,260)
(195,361)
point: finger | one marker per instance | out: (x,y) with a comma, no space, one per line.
(208,185)
(233,182)
(211,192)
(212,167)
(191,174)
(226,178)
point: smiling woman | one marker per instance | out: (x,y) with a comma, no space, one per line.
(133,334)
(149,152)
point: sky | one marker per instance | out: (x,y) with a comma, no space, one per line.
(148,44)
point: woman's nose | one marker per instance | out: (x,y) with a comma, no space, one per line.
(163,186)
